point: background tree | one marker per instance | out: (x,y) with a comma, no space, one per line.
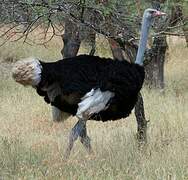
(163,27)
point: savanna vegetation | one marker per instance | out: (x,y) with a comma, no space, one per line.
(32,145)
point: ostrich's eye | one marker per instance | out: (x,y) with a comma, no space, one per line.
(153,13)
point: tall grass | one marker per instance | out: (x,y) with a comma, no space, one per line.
(32,146)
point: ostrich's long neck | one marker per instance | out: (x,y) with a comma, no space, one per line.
(143,39)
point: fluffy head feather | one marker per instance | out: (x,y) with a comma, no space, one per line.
(27,71)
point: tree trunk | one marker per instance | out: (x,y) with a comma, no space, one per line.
(155,69)
(71,39)
(88,38)
(116,49)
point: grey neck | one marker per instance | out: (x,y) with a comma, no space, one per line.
(146,21)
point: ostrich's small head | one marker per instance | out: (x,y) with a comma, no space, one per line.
(27,71)
(151,13)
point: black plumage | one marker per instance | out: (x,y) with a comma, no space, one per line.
(70,79)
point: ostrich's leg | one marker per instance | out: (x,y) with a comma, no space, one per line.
(84,138)
(73,136)
(93,102)
(78,130)
(141,120)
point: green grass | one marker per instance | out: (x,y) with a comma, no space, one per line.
(32,146)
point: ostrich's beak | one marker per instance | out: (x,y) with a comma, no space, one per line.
(159,13)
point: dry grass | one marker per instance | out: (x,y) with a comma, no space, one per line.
(31,146)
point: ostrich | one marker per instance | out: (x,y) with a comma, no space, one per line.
(88,87)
